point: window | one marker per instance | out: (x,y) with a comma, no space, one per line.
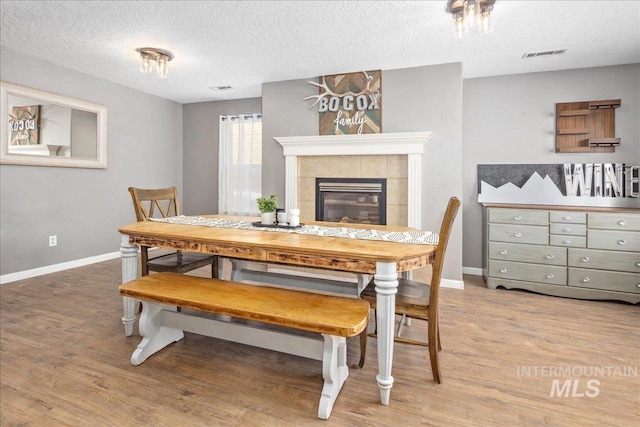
(240,164)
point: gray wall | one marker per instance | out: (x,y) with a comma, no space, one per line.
(430,99)
(284,113)
(511,119)
(84,207)
(507,119)
(414,99)
(201,136)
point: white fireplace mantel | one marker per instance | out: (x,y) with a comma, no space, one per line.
(411,144)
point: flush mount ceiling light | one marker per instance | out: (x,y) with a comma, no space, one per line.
(149,55)
(470,13)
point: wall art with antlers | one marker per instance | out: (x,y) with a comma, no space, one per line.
(349,103)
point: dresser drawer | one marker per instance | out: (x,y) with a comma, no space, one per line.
(614,221)
(605,260)
(519,216)
(537,235)
(608,280)
(568,241)
(569,229)
(568,217)
(528,253)
(614,240)
(549,274)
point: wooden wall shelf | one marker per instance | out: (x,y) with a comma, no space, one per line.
(586,127)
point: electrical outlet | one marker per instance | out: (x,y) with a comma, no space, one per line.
(53,241)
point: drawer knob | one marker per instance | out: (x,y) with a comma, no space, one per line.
(503,270)
(638,285)
(517,217)
(586,280)
(567,218)
(585,259)
(566,242)
(518,234)
(622,242)
(550,256)
(503,252)
(637,264)
(566,230)
(622,223)
(549,276)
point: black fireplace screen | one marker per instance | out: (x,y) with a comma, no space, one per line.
(351,200)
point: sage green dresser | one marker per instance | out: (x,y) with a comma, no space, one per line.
(587,253)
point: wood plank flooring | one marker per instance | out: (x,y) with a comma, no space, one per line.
(64,360)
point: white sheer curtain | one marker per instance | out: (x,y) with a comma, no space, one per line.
(240,164)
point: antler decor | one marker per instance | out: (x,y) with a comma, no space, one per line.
(349,103)
(328,92)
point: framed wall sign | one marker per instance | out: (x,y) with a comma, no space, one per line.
(568,184)
(349,103)
(24,125)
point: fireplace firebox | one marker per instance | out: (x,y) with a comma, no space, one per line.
(352,200)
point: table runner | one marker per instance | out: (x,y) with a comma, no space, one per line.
(417,237)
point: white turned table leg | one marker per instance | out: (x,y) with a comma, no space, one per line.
(386,281)
(155,336)
(129,255)
(334,371)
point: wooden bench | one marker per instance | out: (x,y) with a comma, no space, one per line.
(335,317)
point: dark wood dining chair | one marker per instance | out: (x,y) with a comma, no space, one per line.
(164,203)
(419,300)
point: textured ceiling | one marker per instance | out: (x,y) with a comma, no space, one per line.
(246,43)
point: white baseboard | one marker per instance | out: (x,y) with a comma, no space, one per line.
(472,271)
(12,277)
(450,283)
(27,274)
(459,284)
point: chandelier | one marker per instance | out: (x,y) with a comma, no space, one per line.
(151,55)
(470,13)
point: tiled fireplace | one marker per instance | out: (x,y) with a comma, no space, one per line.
(397,157)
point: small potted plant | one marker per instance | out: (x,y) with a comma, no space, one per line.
(267,207)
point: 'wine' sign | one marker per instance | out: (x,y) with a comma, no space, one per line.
(349,103)
(570,184)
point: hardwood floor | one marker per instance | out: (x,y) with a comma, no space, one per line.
(64,360)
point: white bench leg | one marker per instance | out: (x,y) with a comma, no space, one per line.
(239,265)
(334,371)
(155,336)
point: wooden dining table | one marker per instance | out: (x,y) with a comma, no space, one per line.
(384,259)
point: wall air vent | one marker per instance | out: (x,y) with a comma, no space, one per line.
(544,53)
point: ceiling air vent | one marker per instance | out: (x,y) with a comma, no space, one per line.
(221,87)
(544,53)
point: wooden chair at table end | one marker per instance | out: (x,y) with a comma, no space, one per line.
(419,300)
(165,200)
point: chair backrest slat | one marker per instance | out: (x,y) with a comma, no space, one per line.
(146,201)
